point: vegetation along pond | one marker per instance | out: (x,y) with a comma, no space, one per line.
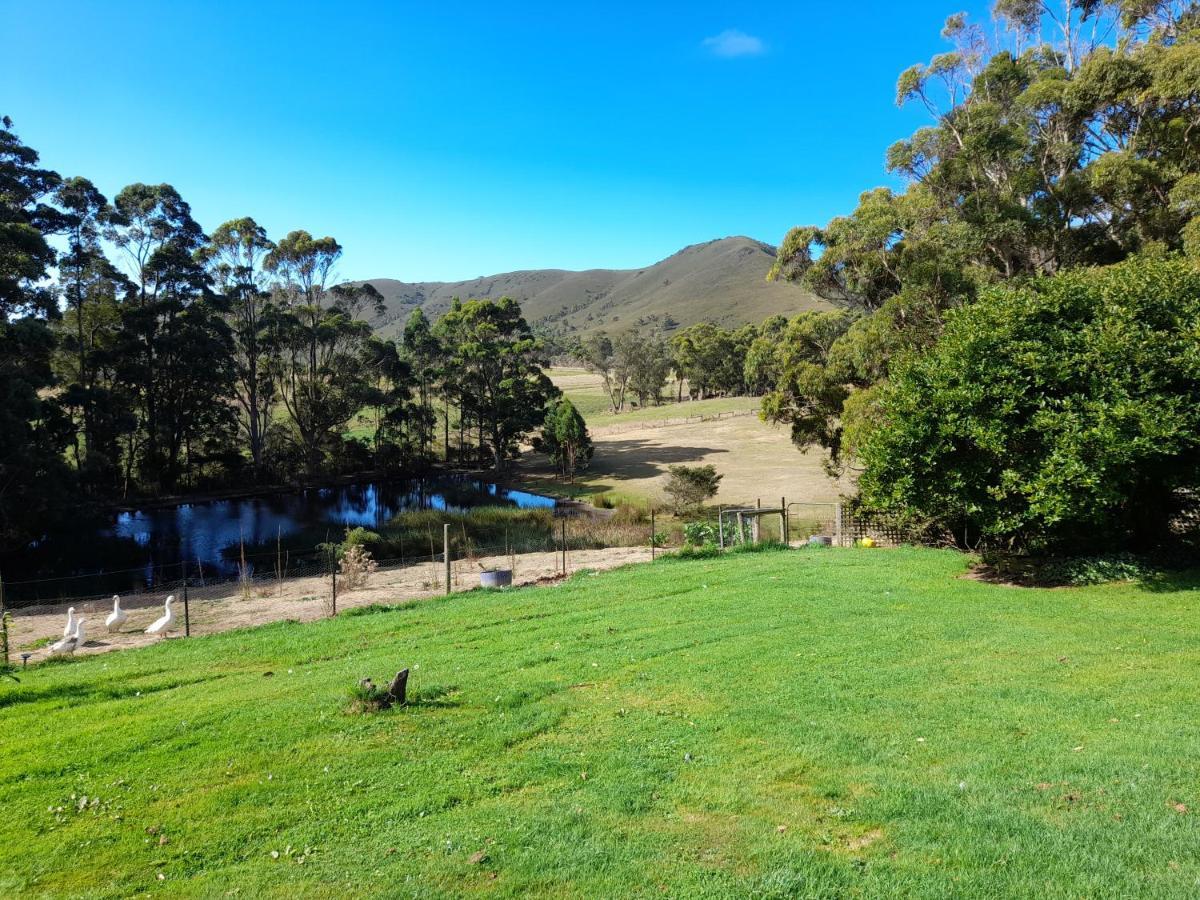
(143,547)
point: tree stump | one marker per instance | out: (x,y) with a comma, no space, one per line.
(399,687)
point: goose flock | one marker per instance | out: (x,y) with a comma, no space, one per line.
(75,637)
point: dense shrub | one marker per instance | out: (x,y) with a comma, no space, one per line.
(698,533)
(1061,415)
(689,486)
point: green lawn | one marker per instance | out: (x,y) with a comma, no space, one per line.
(805,723)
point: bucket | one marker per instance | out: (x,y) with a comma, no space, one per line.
(494,578)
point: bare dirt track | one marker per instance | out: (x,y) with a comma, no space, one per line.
(302,599)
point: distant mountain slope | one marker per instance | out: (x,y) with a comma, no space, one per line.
(721,281)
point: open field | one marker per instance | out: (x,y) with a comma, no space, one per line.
(586,391)
(633,452)
(805,723)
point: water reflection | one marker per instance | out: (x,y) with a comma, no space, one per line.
(207,536)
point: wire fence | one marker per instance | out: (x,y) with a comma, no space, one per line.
(316,582)
(308,584)
(678,420)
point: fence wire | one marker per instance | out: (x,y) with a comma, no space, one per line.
(312,583)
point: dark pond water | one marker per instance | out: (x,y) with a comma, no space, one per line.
(128,550)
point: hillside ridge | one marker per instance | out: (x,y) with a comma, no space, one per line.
(721,281)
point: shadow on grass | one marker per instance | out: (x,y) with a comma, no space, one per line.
(1167,581)
(437,696)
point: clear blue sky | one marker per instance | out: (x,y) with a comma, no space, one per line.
(447,140)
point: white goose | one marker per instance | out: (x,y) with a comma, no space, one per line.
(165,622)
(117,617)
(69,644)
(70,628)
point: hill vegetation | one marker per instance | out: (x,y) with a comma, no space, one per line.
(721,281)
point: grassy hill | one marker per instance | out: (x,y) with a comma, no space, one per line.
(808,723)
(722,281)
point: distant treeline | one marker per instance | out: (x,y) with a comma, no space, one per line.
(710,360)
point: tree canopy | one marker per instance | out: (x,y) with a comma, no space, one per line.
(1071,139)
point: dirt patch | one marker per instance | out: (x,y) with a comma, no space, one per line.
(303,599)
(864,840)
(757,461)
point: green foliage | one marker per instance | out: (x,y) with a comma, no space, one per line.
(1042,155)
(698,533)
(1064,414)
(689,486)
(33,429)
(565,439)
(1094,570)
(695,551)
(493,367)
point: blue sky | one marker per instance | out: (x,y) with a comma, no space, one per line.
(445,141)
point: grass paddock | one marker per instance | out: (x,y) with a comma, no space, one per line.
(800,723)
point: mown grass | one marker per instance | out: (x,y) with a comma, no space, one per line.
(796,723)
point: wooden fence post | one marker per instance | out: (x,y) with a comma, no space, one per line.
(564,545)
(446,552)
(721,527)
(652,534)
(187,618)
(333,582)
(783,523)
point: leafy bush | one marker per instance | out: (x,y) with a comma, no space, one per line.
(1062,415)
(760,547)
(698,533)
(689,486)
(689,551)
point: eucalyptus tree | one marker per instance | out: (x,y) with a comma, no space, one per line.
(400,428)
(91,289)
(320,337)
(498,362)
(235,255)
(177,351)
(565,439)
(425,354)
(33,431)
(598,354)
(1071,138)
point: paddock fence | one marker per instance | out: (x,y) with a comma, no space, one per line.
(797,522)
(303,584)
(313,583)
(671,422)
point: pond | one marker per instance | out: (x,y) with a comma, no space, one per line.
(129,550)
